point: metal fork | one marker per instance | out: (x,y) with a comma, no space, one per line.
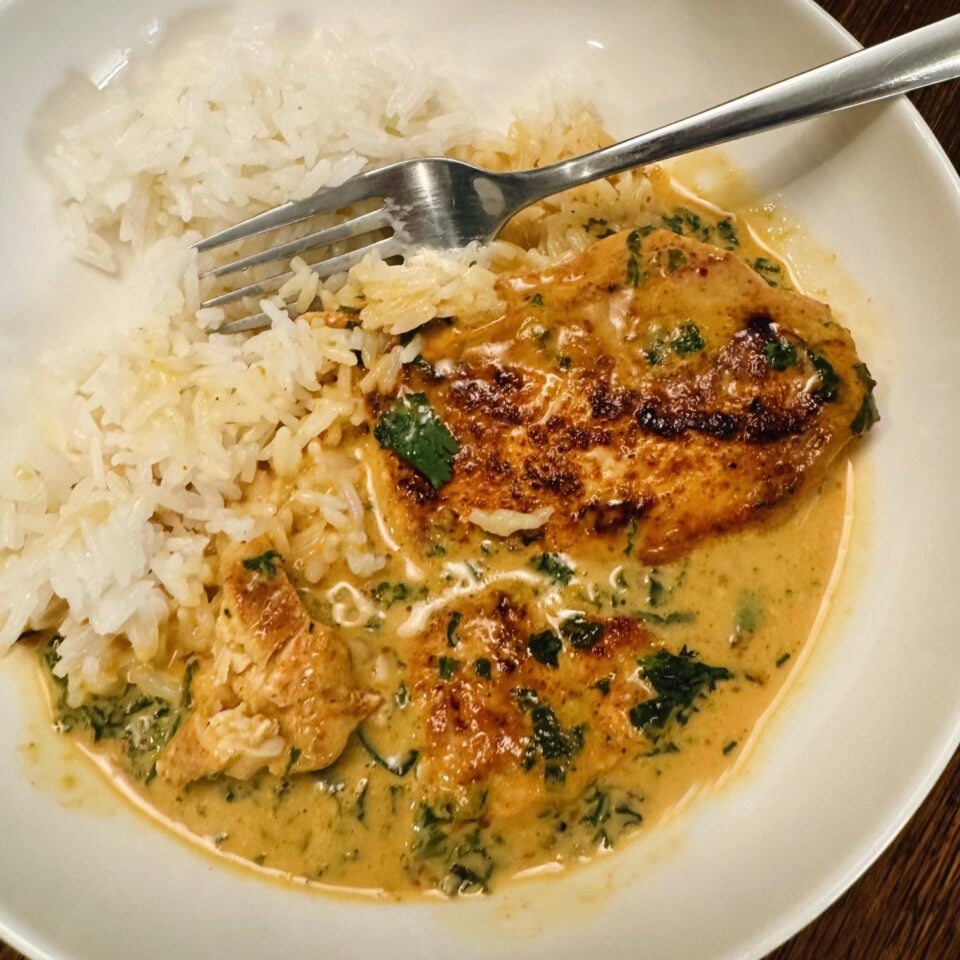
(444,204)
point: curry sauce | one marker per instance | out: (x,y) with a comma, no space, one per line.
(597,579)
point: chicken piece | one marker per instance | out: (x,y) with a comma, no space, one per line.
(279,692)
(520,728)
(653,381)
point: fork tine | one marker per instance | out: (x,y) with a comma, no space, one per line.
(366,223)
(361,187)
(258,321)
(388,247)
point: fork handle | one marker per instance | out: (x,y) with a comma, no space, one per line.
(917,59)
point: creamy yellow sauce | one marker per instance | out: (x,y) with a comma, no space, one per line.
(754,597)
(745,601)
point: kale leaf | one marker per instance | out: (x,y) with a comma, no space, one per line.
(678,679)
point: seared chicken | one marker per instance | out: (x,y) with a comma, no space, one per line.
(653,382)
(279,691)
(521,711)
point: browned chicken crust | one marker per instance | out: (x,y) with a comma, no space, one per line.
(279,691)
(485,700)
(653,381)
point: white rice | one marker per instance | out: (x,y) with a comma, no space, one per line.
(153,446)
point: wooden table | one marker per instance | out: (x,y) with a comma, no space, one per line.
(907,906)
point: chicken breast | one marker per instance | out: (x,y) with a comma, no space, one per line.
(654,383)
(524,711)
(279,691)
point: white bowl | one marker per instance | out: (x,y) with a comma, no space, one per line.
(875,714)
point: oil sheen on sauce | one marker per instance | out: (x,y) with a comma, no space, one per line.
(745,601)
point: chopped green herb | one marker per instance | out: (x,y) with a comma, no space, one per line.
(416,434)
(398,766)
(676,258)
(610,812)
(437,550)
(678,679)
(656,591)
(345,308)
(732,745)
(390,593)
(554,566)
(780,354)
(829,389)
(767,269)
(448,666)
(581,632)
(782,659)
(603,685)
(453,626)
(634,276)
(749,614)
(728,233)
(868,414)
(674,223)
(544,647)
(142,724)
(564,362)
(688,339)
(263,563)
(482,668)
(635,238)
(537,300)
(549,740)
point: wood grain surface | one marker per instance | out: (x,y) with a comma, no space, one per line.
(907,906)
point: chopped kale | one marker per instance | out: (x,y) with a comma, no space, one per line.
(263,563)
(676,258)
(769,270)
(603,685)
(829,389)
(554,566)
(635,238)
(453,626)
(482,668)
(416,434)
(581,632)
(548,741)
(728,233)
(674,223)
(868,414)
(610,812)
(398,766)
(451,837)
(447,667)
(390,593)
(142,724)
(688,339)
(544,647)
(678,680)
(780,354)
(749,614)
